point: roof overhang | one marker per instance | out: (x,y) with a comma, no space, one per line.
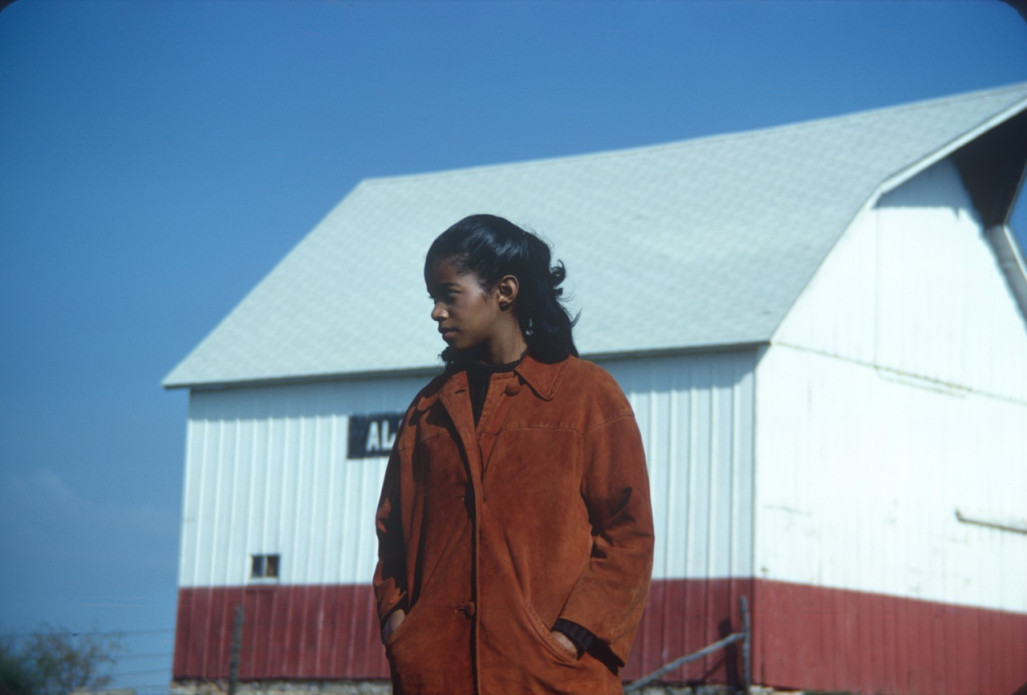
(997,131)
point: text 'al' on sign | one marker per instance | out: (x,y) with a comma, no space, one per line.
(372,434)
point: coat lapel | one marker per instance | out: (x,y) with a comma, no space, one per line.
(457,402)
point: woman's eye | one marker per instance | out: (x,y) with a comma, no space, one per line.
(445,297)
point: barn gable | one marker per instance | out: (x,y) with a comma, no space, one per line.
(916,286)
(709,241)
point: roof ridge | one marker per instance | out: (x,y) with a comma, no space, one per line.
(933,102)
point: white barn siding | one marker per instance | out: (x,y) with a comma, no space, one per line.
(267,472)
(695,413)
(860,473)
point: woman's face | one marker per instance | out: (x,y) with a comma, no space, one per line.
(468,316)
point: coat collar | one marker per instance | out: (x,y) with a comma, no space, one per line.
(543,378)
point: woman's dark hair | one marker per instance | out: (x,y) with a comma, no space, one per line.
(492,247)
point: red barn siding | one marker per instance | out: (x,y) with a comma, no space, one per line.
(830,639)
(289,632)
(804,637)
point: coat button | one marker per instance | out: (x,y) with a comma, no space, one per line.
(513,388)
(467,609)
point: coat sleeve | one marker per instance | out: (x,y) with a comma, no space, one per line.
(390,574)
(609,597)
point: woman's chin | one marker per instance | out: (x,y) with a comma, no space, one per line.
(461,353)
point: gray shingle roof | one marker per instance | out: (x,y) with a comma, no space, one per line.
(691,244)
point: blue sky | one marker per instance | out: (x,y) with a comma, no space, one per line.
(158,158)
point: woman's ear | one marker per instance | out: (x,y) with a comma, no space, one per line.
(506,291)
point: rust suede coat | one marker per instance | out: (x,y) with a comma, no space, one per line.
(487,535)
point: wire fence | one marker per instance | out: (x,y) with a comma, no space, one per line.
(142,679)
(743,636)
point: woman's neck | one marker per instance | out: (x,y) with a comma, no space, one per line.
(506,347)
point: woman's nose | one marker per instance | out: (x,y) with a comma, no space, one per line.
(438,313)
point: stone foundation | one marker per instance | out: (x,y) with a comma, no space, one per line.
(283,688)
(385,688)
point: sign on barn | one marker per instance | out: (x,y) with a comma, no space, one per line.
(372,434)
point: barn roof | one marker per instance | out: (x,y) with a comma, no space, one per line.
(693,244)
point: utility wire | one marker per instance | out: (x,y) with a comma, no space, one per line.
(98,633)
(142,673)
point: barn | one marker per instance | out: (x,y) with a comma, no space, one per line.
(821,327)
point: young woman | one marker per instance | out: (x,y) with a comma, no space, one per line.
(514,527)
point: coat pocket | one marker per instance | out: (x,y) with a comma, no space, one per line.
(429,652)
(545,636)
(399,631)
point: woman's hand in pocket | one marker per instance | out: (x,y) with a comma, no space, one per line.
(566,643)
(392,623)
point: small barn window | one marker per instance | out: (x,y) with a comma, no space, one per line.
(264,566)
